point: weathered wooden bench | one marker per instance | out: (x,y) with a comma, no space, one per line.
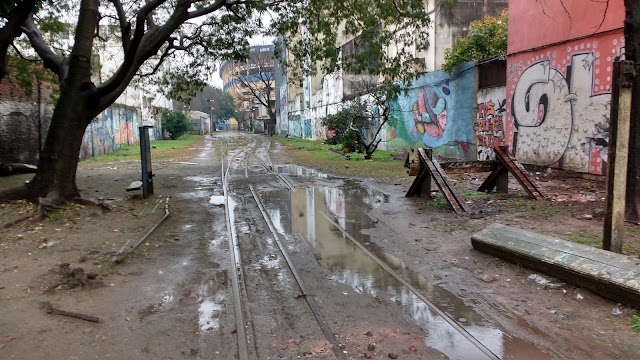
(610,275)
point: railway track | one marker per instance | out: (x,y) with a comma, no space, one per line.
(248,347)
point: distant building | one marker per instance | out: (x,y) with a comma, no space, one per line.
(252,85)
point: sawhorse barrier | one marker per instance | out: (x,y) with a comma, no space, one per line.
(424,166)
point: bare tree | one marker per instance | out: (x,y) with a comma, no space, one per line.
(255,83)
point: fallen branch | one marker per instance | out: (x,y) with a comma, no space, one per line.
(52,310)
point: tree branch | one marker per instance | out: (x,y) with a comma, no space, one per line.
(135,54)
(12,29)
(125,26)
(22,56)
(213,7)
(50,60)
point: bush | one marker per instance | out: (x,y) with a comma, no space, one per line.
(346,124)
(487,38)
(175,123)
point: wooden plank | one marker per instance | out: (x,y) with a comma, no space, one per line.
(422,182)
(444,190)
(605,273)
(616,184)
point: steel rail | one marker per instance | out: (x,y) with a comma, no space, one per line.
(269,168)
(120,255)
(243,347)
(326,330)
(416,292)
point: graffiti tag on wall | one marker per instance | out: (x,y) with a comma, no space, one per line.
(559,103)
(490,127)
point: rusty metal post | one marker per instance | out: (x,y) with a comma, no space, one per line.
(145,159)
(618,153)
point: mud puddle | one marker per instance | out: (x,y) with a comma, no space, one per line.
(306,212)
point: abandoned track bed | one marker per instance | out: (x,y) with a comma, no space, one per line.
(270,278)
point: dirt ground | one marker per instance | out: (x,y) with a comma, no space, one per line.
(150,304)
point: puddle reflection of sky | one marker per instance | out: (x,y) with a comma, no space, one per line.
(300,211)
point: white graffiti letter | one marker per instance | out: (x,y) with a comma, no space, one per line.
(542,112)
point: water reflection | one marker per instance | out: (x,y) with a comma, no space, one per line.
(211,299)
(302,211)
(299,171)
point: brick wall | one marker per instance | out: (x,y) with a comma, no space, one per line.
(24,121)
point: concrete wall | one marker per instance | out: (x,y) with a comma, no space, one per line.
(558,95)
(449,23)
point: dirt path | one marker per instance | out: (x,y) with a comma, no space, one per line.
(170,299)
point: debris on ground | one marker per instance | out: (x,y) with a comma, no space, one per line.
(53,310)
(76,277)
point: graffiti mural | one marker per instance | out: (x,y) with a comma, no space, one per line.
(295,126)
(558,103)
(307,128)
(490,129)
(437,113)
(115,127)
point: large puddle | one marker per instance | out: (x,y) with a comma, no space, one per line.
(305,211)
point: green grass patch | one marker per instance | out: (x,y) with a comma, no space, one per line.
(513,203)
(474,195)
(632,230)
(595,241)
(164,149)
(635,323)
(553,211)
(439,202)
(329,158)
(53,216)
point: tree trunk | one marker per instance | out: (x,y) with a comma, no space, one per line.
(56,176)
(632,53)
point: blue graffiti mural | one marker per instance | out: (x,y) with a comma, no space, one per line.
(438,113)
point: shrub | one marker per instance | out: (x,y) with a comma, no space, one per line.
(486,38)
(346,125)
(175,123)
